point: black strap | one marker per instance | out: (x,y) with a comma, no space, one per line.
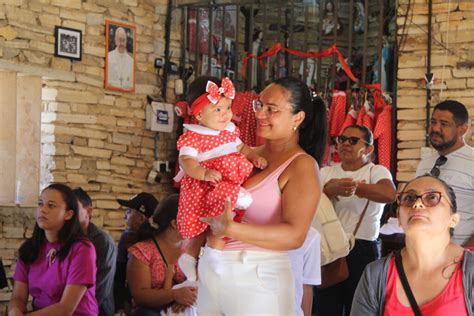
(365,207)
(406,285)
(159,250)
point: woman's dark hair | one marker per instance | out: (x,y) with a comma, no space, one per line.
(312,131)
(368,136)
(198,87)
(67,235)
(162,217)
(449,192)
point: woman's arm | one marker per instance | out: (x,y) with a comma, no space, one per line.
(18,300)
(300,196)
(307,303)
(71,297)
(382,192)
(139,282)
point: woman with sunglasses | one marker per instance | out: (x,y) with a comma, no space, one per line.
(252,274)
(359,190)
(439,274)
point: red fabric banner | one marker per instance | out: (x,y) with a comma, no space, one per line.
(278,47)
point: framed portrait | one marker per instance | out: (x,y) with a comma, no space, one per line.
(120,56)
(68,43)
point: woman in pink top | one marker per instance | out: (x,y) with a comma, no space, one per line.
(439,273)
(56,266)
(152,269)
(252,274)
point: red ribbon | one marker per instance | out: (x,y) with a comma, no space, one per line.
(277,47)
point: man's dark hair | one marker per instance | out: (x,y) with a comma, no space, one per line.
(459,111)
(83,197)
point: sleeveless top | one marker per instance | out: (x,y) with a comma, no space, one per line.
(266,207)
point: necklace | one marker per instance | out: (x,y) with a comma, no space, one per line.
(446,274)
(51,255)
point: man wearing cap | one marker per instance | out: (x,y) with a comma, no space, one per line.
(453,162)
(138,209)
(106,254)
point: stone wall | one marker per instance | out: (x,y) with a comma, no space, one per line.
(90,137)
(452,28)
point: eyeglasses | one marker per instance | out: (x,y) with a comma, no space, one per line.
(438,163)
(429,199)
(269,110)
(353,140)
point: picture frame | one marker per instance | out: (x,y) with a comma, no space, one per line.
(68,43)
(120,56)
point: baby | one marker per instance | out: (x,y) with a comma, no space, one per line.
(214,164)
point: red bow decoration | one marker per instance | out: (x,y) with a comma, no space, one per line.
(213,94)
(227,89)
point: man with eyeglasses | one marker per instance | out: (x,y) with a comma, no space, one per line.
(453,162)
(139,208)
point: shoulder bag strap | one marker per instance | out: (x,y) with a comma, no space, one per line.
(159,250)
(365,207)
(406,285)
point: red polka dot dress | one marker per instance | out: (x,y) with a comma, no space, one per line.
(214,150)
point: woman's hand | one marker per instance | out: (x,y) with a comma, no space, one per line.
(220,224)
(185,296)
(340,187)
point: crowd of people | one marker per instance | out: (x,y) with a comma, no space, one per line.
(264,260)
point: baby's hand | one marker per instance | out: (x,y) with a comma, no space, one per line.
(212,176)
(260,162)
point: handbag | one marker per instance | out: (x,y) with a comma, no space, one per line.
(335,242)
(338,271)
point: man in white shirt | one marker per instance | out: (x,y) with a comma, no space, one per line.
(453,162)
(120,64)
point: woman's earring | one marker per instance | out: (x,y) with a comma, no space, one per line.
(295,128)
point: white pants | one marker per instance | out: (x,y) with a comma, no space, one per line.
(245,283)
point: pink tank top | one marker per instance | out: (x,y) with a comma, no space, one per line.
(266,205)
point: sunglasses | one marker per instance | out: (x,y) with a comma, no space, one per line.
(429,199)
(353,140)
(438,163)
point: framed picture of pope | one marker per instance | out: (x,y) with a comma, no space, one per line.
(120,50)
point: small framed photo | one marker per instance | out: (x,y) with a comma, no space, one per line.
(120,56)
(68,43)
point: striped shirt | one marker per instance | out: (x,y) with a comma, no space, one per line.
(458,172)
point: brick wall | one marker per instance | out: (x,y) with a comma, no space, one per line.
(457,82)
(90,137)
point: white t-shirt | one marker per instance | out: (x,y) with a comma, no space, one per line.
(458,172)
(306,266)
(349,209)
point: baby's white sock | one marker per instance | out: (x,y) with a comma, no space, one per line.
(187,263)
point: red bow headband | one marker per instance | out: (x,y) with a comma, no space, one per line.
(213,94)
